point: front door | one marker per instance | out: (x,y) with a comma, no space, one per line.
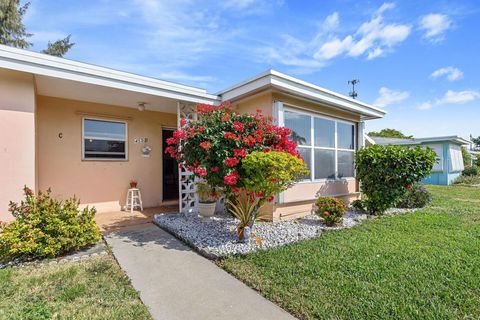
(170,170)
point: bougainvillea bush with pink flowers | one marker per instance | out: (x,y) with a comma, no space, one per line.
(214,146)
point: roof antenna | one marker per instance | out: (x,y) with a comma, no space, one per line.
(353,93)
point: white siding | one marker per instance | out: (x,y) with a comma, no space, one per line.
(438,148)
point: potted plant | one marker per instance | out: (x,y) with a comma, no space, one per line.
(207,199)
(133,184)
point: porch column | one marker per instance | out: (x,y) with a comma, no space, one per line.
(278,120)
(187,191)
(17,137)
(361,134)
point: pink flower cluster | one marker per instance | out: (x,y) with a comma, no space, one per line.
(217,156)
(231,179)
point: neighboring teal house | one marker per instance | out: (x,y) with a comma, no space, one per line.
(449,164)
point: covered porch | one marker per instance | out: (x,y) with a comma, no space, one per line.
(117,220)
(87,131)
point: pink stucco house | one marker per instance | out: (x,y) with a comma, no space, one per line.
(86,130)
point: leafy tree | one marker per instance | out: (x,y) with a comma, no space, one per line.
(476,142)
(467,157)
(59,48)
(13,32)
(389,133)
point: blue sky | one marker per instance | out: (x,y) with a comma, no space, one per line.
(417,59)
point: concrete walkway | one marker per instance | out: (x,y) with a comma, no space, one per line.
(176,283)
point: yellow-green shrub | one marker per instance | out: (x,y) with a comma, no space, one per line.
(269,173)
(45,227)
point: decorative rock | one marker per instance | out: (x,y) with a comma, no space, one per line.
(216,237)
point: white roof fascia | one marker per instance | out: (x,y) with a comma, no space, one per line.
(454,139)
(304,89)
(370,140)
(46,65)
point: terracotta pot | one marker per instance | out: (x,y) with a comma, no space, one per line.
(133,184)
(206,209)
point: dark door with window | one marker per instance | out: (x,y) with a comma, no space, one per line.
(170,170)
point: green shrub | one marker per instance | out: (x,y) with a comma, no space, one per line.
(468,180)
(45,227)
(467,157)
(357,205)
(416,197)
(385,173)
(331,210)
(471,171)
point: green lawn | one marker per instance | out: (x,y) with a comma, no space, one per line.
(95,288)
(423,265)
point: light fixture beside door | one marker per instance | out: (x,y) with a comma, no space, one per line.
(141,106)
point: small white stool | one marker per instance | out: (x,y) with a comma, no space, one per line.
(134,199)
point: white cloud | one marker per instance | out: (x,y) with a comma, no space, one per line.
(333,48)
(250,7)
(388,96)
(434,26)
(385,6)
(458,97)
(331,22)
(376,37)
(238,4)
(452,97)
(451,73)
(372,39)
(425,106)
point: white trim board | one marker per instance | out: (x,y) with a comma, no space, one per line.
(42,64)
(283,82)
(55,67)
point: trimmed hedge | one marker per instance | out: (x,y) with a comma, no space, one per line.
(386,172)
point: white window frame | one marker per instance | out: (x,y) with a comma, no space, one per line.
(456,158)
(103,138)
(438,148)
(312,146)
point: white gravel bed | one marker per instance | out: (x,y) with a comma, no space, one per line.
(216,237)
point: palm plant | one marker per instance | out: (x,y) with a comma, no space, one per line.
(244,207)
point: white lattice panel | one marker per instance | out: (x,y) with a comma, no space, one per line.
(188,196)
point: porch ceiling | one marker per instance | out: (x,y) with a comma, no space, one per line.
(65,78)
(68,89)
